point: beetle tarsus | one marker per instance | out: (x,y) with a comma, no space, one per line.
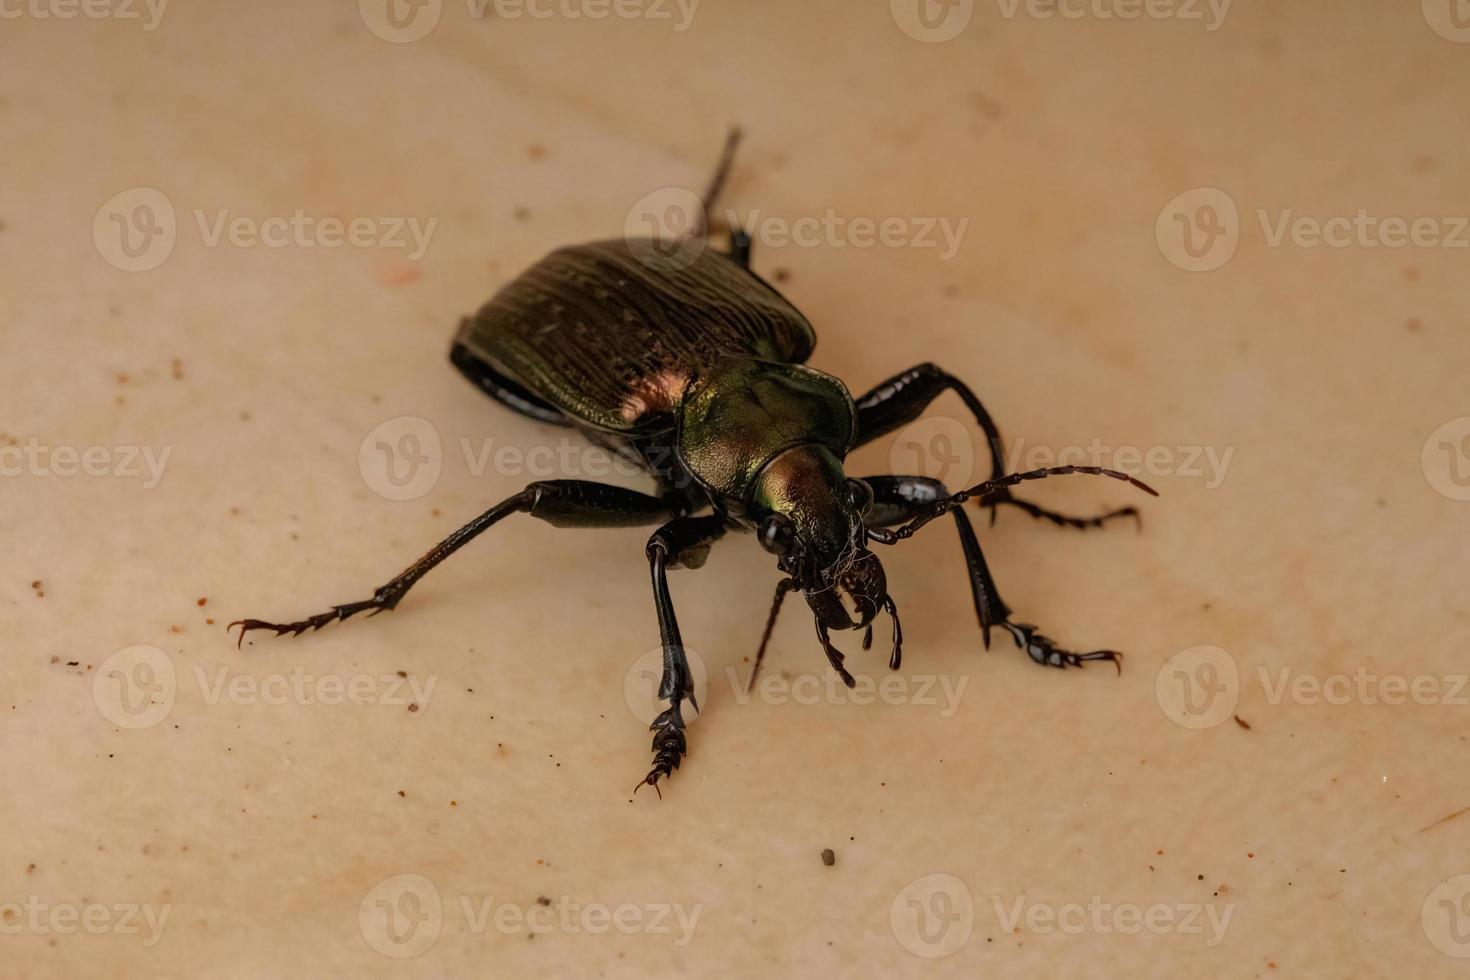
(316,622)
(669,747)
(1043,649)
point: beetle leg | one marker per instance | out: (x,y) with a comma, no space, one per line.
(740,247)
(902,399)
(897,499)
(564,503)
(717,182)
(683,542)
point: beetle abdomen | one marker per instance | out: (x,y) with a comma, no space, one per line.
(613,342)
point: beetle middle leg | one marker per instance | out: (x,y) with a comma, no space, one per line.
(682,543)
(897,499)
(902,399)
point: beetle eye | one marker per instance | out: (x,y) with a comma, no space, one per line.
(776,534)
(862,494)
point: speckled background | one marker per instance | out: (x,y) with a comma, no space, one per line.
(1291,376)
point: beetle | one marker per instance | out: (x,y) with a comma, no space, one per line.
(690,363)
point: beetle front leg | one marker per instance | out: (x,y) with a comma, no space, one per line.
(897,499)
(902,399)
(683,542)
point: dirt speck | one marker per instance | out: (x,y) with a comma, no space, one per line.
(400,273)
(829,856)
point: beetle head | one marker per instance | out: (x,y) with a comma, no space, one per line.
(813,523)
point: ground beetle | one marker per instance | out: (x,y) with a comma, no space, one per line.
(694,368)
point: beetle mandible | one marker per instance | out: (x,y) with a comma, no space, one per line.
(695,368)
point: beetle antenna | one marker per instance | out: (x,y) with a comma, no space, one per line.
(990,488)
(782,587)
(717,182)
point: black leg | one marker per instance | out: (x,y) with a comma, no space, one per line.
(897,499)
(682,543)
(740,245)
(564,503)
(717,182)
(902,399)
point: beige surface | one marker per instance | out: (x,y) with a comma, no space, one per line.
(262,827)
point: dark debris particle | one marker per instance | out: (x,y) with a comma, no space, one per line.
(1242,723)
(543,900)
(829,857)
